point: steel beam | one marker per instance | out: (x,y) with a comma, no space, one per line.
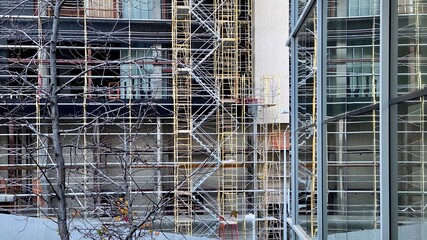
(295,28)
(297,229)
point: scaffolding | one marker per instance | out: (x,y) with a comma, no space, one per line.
(159,117)
(183,122)
(227,74)
(271,138)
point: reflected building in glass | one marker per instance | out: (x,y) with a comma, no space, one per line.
(358,119)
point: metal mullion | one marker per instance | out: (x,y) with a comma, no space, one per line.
(384,119)
(294,121)
(393,114)
(322,161)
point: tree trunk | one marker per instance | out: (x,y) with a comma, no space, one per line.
(57,147)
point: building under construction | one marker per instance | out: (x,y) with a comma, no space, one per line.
(167,116)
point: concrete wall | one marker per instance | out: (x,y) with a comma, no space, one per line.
(14,227)
(271,56)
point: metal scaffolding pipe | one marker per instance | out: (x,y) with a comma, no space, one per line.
(159,159)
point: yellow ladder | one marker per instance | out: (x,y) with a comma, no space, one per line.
(182,95)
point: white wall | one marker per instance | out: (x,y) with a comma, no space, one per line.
(271,27)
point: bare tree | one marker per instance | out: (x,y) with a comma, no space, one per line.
(79,170)
(57,147)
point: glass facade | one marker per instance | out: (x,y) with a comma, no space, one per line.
(358,165)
